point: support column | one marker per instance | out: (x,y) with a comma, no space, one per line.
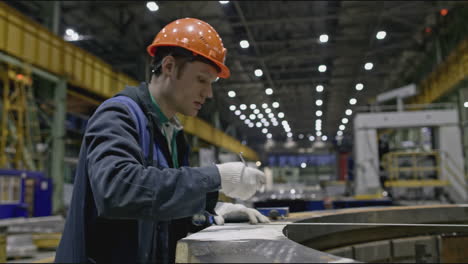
(56,17)
(50,12)
(58,144)
(438,51)
(462,112)
(366,161)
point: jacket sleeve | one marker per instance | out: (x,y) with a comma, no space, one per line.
(124,188)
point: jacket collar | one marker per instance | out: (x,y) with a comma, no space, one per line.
(141,96)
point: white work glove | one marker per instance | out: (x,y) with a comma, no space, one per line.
(240,181)
(237,213)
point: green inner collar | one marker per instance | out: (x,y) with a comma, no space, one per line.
(163,118)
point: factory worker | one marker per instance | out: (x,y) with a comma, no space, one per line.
(134,194)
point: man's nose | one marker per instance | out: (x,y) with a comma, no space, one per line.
(208,92)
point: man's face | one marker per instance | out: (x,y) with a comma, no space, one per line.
(193,87)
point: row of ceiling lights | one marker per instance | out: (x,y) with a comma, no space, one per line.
(269,91)
(348,112)
(256,114)
(359,87)
(319,88)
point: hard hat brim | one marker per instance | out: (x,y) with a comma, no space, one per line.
(224,70)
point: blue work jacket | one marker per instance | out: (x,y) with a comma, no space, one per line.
(129,204)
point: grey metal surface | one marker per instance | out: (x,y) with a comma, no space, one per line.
(48,224)
(406,250)
(344,232)
(244,243)
(329,236)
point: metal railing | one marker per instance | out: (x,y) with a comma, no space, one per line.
(411,169)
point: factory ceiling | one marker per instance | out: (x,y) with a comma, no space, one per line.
(312,76)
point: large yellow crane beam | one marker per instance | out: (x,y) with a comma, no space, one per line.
(445,77)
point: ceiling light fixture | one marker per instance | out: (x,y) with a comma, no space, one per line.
(323,38)
(322,68)
(244,44)
(152,6)
(359,86)
(258,72)
(381,35)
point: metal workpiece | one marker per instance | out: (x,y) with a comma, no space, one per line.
(390,234)
(245,243)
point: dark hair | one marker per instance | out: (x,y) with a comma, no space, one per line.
(181,55)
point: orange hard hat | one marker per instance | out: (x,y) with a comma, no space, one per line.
(194,35)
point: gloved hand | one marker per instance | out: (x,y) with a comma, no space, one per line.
(237,213)
(240,181)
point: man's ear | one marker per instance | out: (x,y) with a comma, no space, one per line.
(168,67)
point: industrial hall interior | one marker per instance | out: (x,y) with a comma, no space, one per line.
(233,131)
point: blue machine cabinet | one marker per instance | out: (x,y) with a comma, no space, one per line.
(24,194)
